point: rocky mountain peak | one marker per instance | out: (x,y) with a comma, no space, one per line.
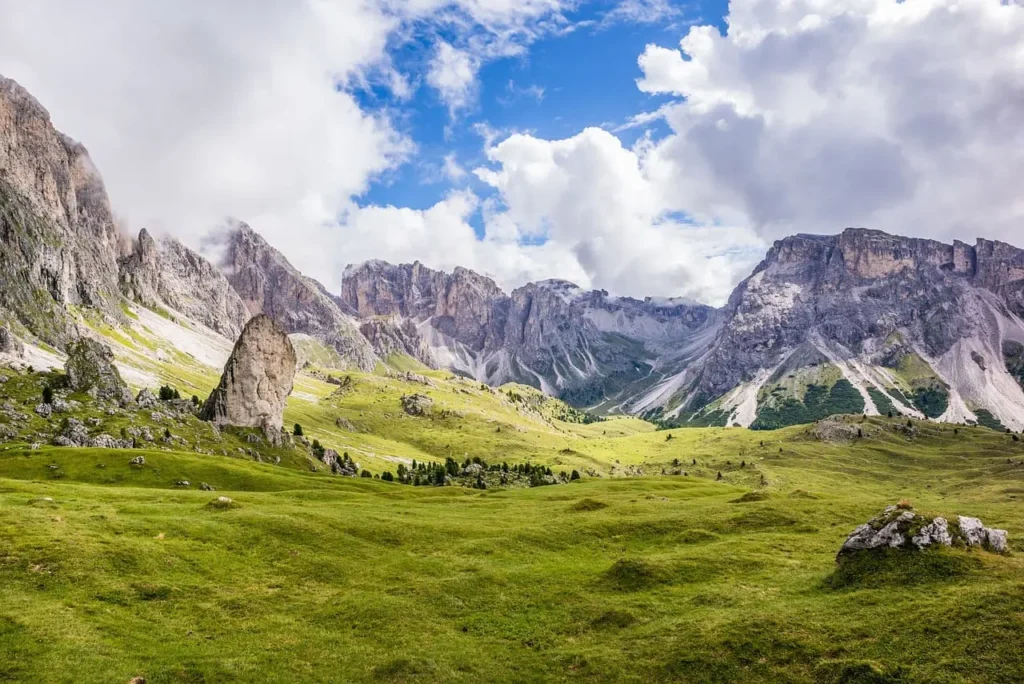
(167,273)
(58,241)
(267,283)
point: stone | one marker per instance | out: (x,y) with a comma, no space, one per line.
(44,410)
(90,367)
(973,531)
(935,532)
(997,540)
(417,404)
(73,434)
(206,487)
(892,528)
(257,379)
(138,461)
(108,442)
(182,483)
(145,399)
(9,344)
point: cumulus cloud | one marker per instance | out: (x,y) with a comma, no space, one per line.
(196,110)
(592,199)
(812,116)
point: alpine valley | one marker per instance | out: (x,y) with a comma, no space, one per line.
(860,322)
(218,470)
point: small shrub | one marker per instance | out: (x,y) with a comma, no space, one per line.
(297,431)
(633,575)
(585,505)
(387,476)
(572,478)
(47,395)
(366,473)
(614,619)
(195,400)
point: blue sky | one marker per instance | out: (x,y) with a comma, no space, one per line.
(560,85)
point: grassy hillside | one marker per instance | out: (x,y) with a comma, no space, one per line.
(111,573)
(692,555)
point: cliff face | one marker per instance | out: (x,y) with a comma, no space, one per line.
(893,316)
(586,346)
(168,273)
(58,241)
(267,283)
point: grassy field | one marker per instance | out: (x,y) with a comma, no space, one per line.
(112,572)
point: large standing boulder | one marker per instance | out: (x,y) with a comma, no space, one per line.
(90,368)
(257,379)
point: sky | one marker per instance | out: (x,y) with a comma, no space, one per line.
(645,147)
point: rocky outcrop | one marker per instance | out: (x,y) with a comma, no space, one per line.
(463,306)
(90,368)
(899,527)
(257,379)
(417,404)
(267,283)
(392,335)
(166,273)
(58,241)
(9,344)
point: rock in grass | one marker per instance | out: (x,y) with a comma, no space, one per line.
(901,528)
(9,344)
(221,503)
(417,404)
(90,368)
(138,461)
(257,380)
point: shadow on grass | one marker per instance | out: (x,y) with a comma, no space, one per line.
(895,567)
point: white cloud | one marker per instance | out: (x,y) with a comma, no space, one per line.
(812,116)
(197,110)
(592,200)
(452,169)
(643,11)
(453,74)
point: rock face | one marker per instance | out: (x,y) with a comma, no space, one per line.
(9,344)
(168,273)
(914,326)
(586,346)
(257,379)
(58,241)
(90,368)
(267,283)
(901,528)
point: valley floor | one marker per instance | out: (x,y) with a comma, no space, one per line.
(110,573)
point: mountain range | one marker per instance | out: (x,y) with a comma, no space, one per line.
(859,322)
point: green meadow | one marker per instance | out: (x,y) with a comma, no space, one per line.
(689,555)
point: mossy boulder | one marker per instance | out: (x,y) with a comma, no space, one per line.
(90,368)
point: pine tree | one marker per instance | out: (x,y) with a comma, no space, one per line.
(575,476)
(47,395)
(297,431)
